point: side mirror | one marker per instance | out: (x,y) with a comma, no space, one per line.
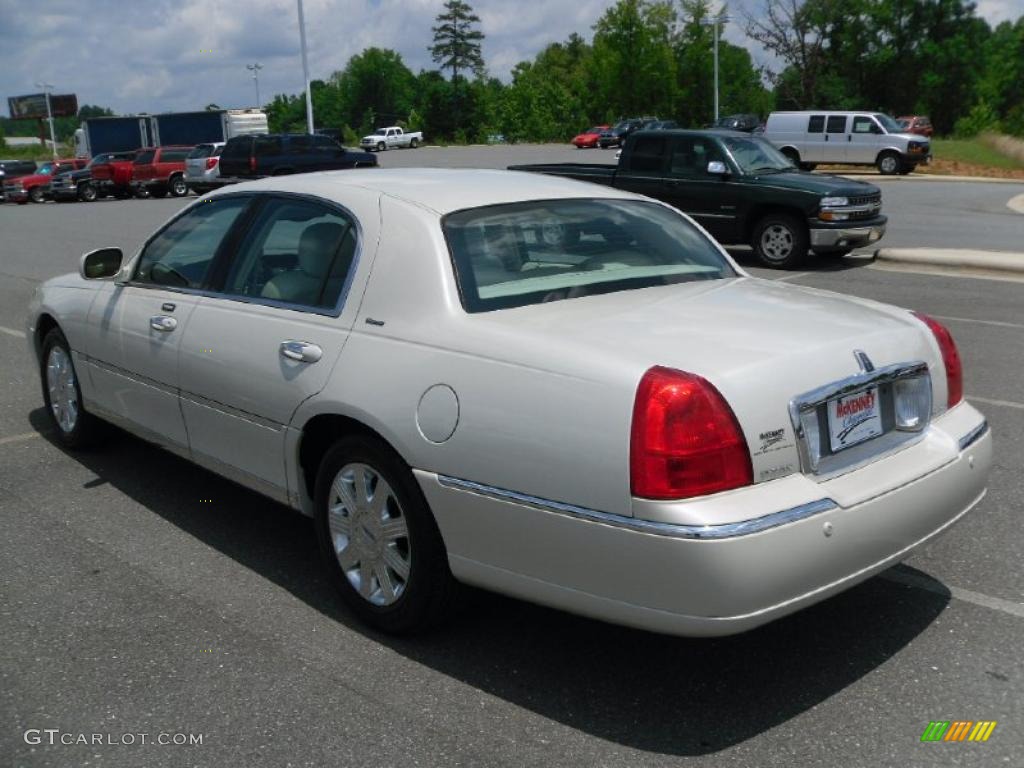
(717,168)
(101,264)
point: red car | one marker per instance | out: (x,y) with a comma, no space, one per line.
(918,124)
(37,186)
(589,137)
(159,170)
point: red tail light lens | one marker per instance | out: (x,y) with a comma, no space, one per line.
(685,439)
(211,163)
(950,358)
(252,163)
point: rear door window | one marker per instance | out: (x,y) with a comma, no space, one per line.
(816,124)
(145,157)
(648,154)
(174,155)
(837,124)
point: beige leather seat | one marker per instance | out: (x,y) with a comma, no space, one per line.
(317,247)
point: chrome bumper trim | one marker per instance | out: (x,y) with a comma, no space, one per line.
(852,236)
(671,530)
(973,436)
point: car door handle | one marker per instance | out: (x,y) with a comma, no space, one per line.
(163,323)
(302,351)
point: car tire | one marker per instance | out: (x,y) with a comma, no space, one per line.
(808,166)
(87,193)
(888,163)
(75,427)
(384,555)
(36,195)
(780,241)
(178,187)
(906,169)
(381,146)
(413,143)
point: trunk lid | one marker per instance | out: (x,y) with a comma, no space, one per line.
(760,343)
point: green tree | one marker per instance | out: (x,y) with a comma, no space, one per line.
(456,41)
(376,81)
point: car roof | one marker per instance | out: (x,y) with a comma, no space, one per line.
(694,132)
(441,190)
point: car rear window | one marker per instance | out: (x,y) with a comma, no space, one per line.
(238,147)
(201,151)
(519,254)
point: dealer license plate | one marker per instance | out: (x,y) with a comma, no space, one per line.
(854,418)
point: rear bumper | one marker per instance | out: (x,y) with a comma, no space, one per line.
(663,579)
(854,234)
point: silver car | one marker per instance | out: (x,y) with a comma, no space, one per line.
(202,167)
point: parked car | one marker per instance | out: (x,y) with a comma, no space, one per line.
(80,184)
(617,134)
(13,169)
(846,138)
(278,154)
(742,123)
(391,137)
(114,176)
(35,187)
(919,124)
(159,170)
(202,167)
(743,191)
(588,138)
(566,394)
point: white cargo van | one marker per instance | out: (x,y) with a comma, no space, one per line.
(850,138)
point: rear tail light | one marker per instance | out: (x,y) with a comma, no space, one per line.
(685,439)
(950,358)
(211,163)
(252,163)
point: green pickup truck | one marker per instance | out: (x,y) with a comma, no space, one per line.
(743,191)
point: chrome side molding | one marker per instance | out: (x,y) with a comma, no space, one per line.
(973,436)
(672,530)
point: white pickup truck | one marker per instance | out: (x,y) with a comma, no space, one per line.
(389,138)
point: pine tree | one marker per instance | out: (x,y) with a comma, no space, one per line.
(456,43)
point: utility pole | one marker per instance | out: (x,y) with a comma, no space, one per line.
(305,71)
(255,69)
(716,22)
(47,87)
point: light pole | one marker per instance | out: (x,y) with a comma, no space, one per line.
(305,71)
(255,69)
(47,87)
(716,22)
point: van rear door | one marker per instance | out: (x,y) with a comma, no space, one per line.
(836,138)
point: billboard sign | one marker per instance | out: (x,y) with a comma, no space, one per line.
(33,106)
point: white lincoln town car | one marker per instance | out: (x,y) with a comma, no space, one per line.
(560,392)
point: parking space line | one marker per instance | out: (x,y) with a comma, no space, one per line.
(927,583)
(794,276)
(12,332)
(1003,403)
(19,438)
(998,323)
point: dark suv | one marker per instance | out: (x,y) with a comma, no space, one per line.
(276,154)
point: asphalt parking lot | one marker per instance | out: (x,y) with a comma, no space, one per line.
(141,594)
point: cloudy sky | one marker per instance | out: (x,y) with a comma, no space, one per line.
(164,55)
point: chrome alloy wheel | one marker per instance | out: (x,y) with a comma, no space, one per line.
(60,381)
(369,534)
(777,242)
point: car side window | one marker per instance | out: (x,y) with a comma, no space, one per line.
(180,255)
(863,124)
(648,154)
(297,252)
(691,155)
(816,124)
(836,124)
(266,146)
(299,145)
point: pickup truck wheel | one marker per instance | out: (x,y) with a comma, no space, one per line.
(381,146)
(413,143)
(780,241)
(36,195)
(87,193)
(808,166)
(378,539)
(178,187)
(906,169)
(888,163)
(75,427)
